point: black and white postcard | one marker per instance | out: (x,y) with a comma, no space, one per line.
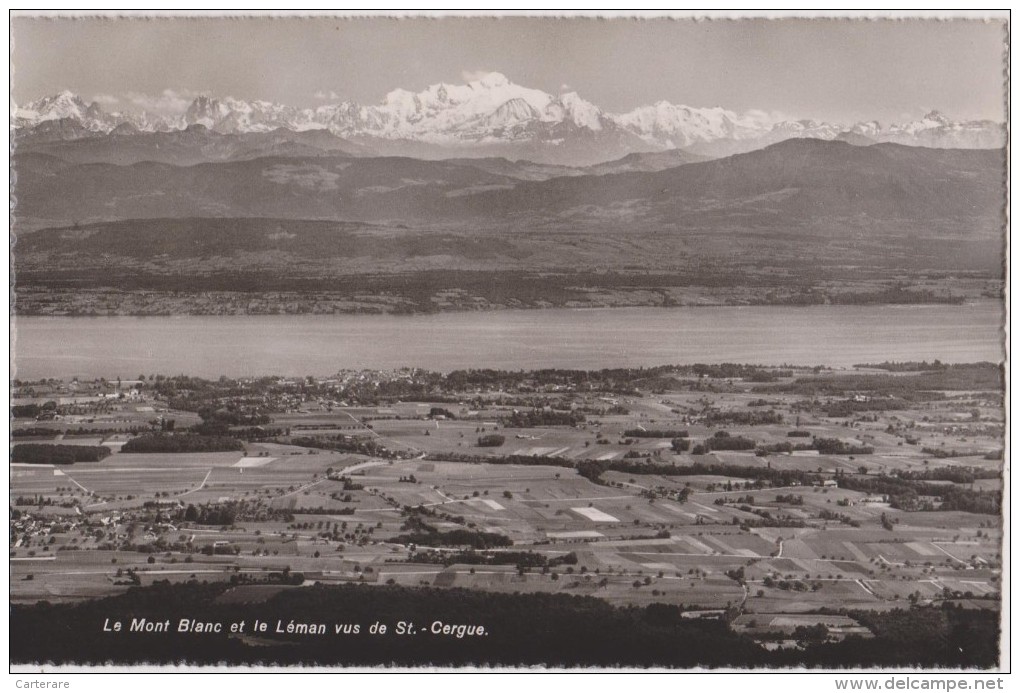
(559,342)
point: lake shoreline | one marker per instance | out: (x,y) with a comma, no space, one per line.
(575,338)
(485,309)
(507,291)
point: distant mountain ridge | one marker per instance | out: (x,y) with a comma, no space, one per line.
(796,183)
(802,221)
(493,116)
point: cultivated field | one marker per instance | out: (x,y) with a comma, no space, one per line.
(398,492)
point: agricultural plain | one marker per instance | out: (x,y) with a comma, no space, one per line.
(769,496)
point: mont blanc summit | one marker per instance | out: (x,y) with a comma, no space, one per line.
(493,115)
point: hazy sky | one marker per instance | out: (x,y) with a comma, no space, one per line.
(832,69)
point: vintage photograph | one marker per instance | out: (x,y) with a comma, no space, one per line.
(560,342)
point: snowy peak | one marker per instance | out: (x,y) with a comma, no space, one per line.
(65,105)
(492,110)
(808,128)
(670,125)
(449,112)
(570,107)
(937,130)
(493,80)
(204,111)
(230,115)
(514,112)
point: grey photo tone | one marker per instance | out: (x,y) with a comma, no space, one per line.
(508,341)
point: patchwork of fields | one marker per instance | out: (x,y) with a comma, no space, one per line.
(776,535)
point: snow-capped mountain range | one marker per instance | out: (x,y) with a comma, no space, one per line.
(493,115)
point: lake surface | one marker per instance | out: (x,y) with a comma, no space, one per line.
(587,339)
